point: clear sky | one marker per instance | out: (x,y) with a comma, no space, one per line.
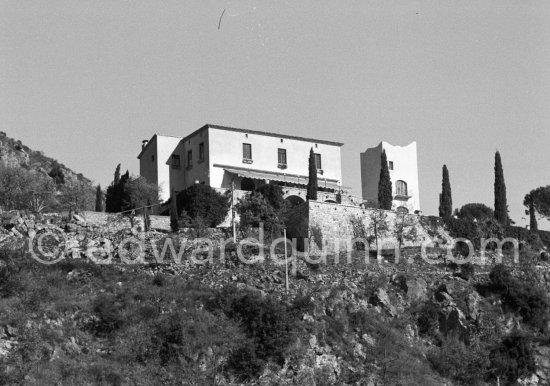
(86,81)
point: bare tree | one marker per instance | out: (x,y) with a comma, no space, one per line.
(378,226)
(77,195)
(405,229)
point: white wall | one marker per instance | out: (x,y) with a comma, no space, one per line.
(158,171)
(405,168)
(226,149)
(148,161)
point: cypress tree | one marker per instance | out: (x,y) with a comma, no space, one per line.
(533,226)
(116,180)
(445,198)
(116,196)
(501,207)
(98,199)
(312,183)
(174,224)
(384,184)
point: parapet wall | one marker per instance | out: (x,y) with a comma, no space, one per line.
(116,221)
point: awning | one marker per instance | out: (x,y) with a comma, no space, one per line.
(281,177)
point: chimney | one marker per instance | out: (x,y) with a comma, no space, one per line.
(144,143)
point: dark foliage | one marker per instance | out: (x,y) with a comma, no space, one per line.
(453,359)
(312,182)
(467,271)
(98,199)
(526,298)
(513,358)
(501,206)
(428,318)
(273,195)
(480,212)
(244,362)
(522,234)
(57,174)
(117,195)
(445,198)
(268,323)
(109,318)
(385,197)
(254,210)
(204,203)
(9,285)
(174,223)
(537,201)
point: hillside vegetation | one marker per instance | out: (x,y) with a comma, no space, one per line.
(225,322)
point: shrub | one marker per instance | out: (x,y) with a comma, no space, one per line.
(10,282)
(373,282)
(526,298)
(273,195)
(455,360)
(428,319)
(513,358)
(522,234)
(267,322)
(108,312)
(244,363)
(254,210)
(302,304)
(202,201)
(467,271)
(158,280)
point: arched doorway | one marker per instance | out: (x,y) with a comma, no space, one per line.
(294,200)
(248,184)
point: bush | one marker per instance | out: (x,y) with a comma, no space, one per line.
(254,210)
(273,195)
(522,234)
(513,358)
(158,280)
(204,202)
(454,360)
(10,283)
(480,212)
(267,322)
(244,363)
(526,298)
(467,271)
(108,313)
(428,319)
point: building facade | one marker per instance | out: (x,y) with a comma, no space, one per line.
(226,157)
(402,163)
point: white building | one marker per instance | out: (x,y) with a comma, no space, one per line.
(220,156)
(402,163)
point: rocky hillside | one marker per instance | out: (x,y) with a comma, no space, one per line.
(13,153)
(224,322)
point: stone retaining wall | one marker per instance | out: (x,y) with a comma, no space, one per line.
(116,221)
(331,226)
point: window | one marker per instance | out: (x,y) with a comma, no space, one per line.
(281,157)
(401,188)
(402,209)
(189,158)
(247,151)
(390,165)
(176,164)
(201,151)
(318,161)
